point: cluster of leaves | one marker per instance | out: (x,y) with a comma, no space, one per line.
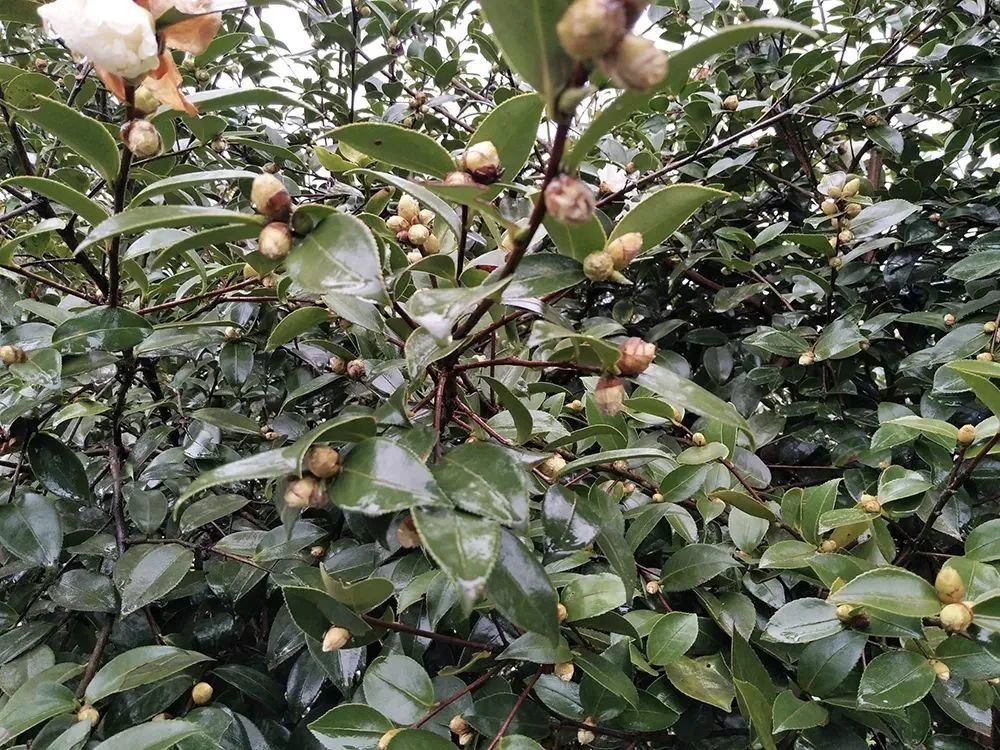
(742,552)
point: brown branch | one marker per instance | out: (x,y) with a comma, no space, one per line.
(401,627)
(95,657)
(439,707)
(519,362)
(513,711)
(198,297)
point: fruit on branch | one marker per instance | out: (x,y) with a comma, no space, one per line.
(271,198)
(201,694)
(275,241)
(482,161)
(598,266)
(304,493)
(592,28)
(142,138)
(569,201)
(609,395)
(956,617)
(323,461)
(636,64)
(623,250)
(949,586)
(335,638)
(635,356)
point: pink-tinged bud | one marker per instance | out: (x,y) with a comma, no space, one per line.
(337,365)
(275,241)
(409,209)
(598,266)
(418,234)
(142,139)
(323,461)
(304,493)
(623,250)
(271,198)
(356,369)
(635,356)
(635,64)
(482,161)
(591,28)
(335,639)
(609,396)
(414,256)
(397,224)
(426,217)
(407,534)
(459,179)
(569,201)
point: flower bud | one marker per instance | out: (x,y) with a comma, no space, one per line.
(408,209)
(432,246)
(88,713)
(323,461)
(966,435)
(591,28)
(466,738)
(956,617)
(426,217)
(407,534)
(623,250)
(414,256)
(985,356)
(635,356)
(851,188)
(397,224)
(828,207)
(835,262)
(657,497)
(569,201)
(989,327)
(870,504)
(458,725)
(304,493)
(12,355)
(636,63)
(846,236)
(845,612)
(585,736)
(730,103)
(807,358)
(609,396)
(335,638)
(482,161)
(561,612)
(575,405)
(356,369)
(317,551)
(275,241)
(699,440)
(598,266)
(385,739)
(852,209)
(231,333)
(653,587)
(337,365)
(201,693)
(949,586)
(564,670)
(271,198)
(162,717)
(142,138)
(146,102)
(459,179)
(418,234)
(551,466)
(940,669)
(829,545)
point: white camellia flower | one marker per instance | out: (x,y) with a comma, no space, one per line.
(612,179)
(117,36)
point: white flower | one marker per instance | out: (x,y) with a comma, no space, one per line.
(117,36)
(612,178)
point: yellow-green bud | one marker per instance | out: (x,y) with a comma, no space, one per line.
(591,28)
(201,694)
(949,586)
(623,250)
(598,266)
(636,64)
(956,618)
(275,241)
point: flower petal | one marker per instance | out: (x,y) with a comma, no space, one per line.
(194,34)
(164,83)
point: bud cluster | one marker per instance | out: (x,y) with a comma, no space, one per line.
(599,30)
(615,257)
(841,206)
(273,201)
(412,227)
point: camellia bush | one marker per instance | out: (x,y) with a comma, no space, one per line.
(503,374)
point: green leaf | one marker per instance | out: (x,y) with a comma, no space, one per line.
(426,197)
(140,666)
(512,127)
(350,726)
(226,420)
(983,542)
(397,147)
(147,572)
(894,680)
(466,548)
(139,220)
(825,664)
(485,479)
(706,680)
(519,587)
(671,637)
(682,393)
(380,476)
(892,590)
(108,329)
(215,100)
(57,467)
(802,621)
(976,266)
(791,714)
(31,530)
(694,565)
(314,611)
(156,735)
(400,687)
(89,210)
(210,509)
(339,255)
(33,703)
(187,180)
(419,739)
(82,590)
(20,11)
(881,217)
(295,324)
(592,595)
(438,310)
(81,134)
(663,212)
(520,414)
(529,42)
(607,675)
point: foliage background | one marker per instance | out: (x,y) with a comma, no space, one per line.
(145,450)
